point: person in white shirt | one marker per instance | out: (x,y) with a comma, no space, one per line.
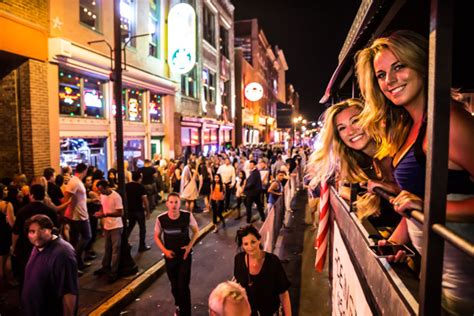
(112,212)
(227,173)
(76,214)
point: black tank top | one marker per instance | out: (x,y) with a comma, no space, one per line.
(175,231)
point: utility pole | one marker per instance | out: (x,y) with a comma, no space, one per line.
(127,264)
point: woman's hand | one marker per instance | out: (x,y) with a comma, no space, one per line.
(390,187)
(406,201)
(399,257)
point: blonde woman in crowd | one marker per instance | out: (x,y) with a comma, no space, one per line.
(392,75)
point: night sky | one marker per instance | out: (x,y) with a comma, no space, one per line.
(310,33)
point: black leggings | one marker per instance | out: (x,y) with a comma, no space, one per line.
(217,209)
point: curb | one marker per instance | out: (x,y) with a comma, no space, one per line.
(126,295)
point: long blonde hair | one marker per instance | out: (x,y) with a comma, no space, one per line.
(335,157)
(387,124)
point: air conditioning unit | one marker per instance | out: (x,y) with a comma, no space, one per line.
(59,47)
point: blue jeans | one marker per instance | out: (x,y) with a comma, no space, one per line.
(79,237)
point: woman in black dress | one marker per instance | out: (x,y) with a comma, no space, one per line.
(261,274)
(205,176)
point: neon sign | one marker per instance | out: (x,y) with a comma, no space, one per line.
(92,99)
(132,109)
(254,91)
(67,96)
(182,38)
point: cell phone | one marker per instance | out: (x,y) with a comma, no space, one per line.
(390,250)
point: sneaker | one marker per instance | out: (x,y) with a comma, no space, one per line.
(144,248)
(215,230)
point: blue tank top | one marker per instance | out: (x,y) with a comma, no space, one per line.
(410,171)
(272,198)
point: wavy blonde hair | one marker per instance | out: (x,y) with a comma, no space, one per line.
(335,157)
(387,124)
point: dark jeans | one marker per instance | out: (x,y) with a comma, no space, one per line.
(228,192)
(79,235)
(217,209)
(151,194)
(134,217)
(179,274)
(249,200)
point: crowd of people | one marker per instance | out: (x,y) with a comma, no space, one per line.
(78,205)
(380,140)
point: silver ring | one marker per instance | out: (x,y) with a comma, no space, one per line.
(396,204)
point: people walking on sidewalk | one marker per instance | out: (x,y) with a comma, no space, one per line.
(252,189)
(172,237)
(51,284)
(239,191)
(205,179)
(217,201)
(261,274)
(148,180)
(76,214)
(189,190)
(138,208)
(112,212)
(275,190)
(227,173)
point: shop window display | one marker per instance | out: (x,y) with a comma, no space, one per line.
(155,108)
(80,95)
(91,151)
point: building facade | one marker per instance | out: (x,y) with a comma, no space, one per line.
(205,110)
(260,77)
(81,101)
(23,99)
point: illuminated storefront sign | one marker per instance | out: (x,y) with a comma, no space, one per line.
(182,38)
(92,99)
(254,91)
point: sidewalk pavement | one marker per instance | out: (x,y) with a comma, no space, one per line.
(95,290)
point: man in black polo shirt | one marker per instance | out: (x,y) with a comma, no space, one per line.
(174,225)
(51,285)
(20,244)
(138,208)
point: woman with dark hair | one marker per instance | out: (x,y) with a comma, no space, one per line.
(205,177)
(176,177)
(261,274)
(112,178)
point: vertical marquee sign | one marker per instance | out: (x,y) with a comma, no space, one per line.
(181,38)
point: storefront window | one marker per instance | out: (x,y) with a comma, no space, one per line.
(91,151)
(80,95)
(155,108)
(134,153)
(132,99)
(89,13)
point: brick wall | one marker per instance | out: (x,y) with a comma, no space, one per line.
(35,11)
(34,117)
(9,158)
